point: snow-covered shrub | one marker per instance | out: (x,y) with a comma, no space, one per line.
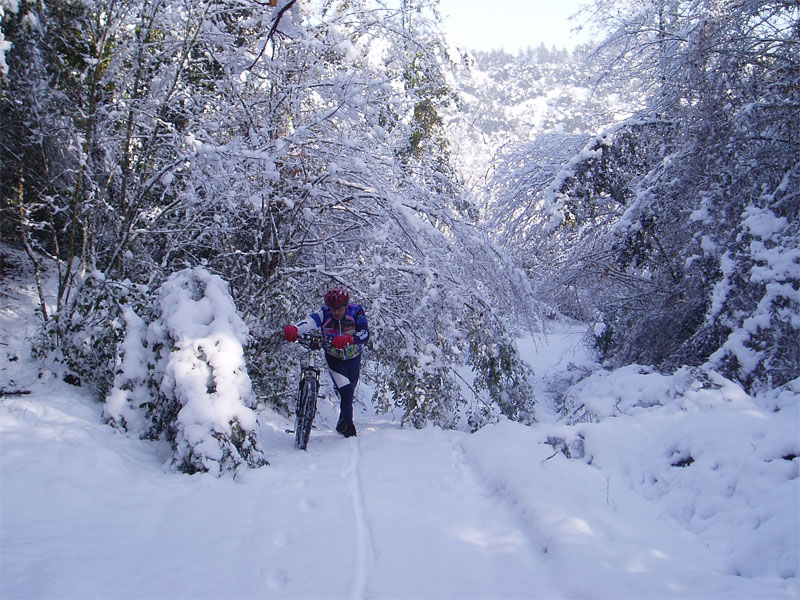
(204,371)
(605,394)
(757,303)
(86,334)
(500,372)
(430,379)
(133,383)
(422,387)
(184,377)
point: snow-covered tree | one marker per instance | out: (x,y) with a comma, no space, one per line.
(383,213)
(285,147)
(183,376)
(689,255)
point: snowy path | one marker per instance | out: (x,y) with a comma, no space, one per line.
(397,513)
(394,513)
(365,552)
(430,516)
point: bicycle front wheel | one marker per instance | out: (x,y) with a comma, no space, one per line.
(306,409)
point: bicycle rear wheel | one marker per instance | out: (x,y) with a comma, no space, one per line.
(306,409)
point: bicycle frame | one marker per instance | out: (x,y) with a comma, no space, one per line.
(311,342)
(307,391)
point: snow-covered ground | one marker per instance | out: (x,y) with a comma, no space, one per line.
(677,487)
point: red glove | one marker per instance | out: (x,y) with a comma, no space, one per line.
(290,333)
(340,342)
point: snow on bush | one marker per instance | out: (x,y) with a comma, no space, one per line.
(184,376)
(131,389)
(761,348)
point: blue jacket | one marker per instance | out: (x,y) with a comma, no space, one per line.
(353,323)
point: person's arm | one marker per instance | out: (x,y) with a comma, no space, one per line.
(311,322)
(362,328)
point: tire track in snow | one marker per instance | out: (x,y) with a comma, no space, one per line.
(497,491)
(518,517)
(365,552)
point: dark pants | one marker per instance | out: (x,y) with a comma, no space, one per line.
(345,378)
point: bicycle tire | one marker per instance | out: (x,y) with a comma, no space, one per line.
(306,410)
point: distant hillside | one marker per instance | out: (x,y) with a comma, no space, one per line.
(508,100)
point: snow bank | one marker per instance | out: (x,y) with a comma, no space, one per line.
(708,455)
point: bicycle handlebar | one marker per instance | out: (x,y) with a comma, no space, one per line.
(312,341)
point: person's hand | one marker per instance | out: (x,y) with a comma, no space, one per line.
(340,342)
(290,333)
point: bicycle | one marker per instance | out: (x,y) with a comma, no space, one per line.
(308,390)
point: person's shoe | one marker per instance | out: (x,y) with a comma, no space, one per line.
(346,429)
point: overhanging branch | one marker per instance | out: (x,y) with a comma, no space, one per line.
(272,30)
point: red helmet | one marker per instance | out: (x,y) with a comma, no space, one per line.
(336,297)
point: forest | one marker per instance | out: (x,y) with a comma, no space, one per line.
(254,153)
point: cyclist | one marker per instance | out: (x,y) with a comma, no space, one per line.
(344,325)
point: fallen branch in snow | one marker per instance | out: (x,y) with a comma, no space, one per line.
(551,456)
(4,392)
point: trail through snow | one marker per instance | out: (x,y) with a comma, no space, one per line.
(366,554)
(87,512)
(399,513)
(394,513)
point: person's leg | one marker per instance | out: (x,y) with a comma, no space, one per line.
(345,407)
(345,374)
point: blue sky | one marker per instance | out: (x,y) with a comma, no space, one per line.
(510,24)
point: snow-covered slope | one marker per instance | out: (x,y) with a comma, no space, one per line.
(399,513)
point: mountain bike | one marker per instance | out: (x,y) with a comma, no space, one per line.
(308,390)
